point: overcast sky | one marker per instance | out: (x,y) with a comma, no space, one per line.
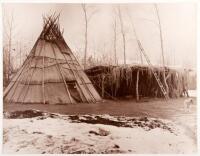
(178,22)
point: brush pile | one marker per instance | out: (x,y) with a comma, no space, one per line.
(120,81)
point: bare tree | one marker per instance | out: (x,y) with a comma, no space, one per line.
(87,17)
(115,41)
(162,48)
(122,32)
(10,27)
(8,33)
(19,46)
(5,73)
(20,54)
(86,33)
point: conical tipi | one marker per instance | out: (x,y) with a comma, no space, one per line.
(51,74)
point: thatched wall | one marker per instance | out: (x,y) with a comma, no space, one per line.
(192,80)
(119,81)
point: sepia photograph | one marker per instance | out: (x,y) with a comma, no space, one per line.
(99,78)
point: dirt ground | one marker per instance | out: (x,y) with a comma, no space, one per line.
(157,108)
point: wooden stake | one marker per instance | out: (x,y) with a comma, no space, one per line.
(137,81)
(102,86)
(43,81)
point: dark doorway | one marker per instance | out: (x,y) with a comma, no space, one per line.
(73,89)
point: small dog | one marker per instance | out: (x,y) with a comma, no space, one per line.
(187,104)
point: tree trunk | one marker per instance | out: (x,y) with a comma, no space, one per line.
(137,85)
(115,40)
(20,54)
(162,49)
(9,53)
(102,86)
(123,34)
(10,47)
(124,43)
(86,31)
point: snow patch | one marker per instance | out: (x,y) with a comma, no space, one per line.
(56,134)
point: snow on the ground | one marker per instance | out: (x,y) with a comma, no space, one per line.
(60,135)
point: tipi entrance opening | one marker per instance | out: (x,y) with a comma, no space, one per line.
(74,92)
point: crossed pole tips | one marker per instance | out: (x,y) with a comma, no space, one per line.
(51,27)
